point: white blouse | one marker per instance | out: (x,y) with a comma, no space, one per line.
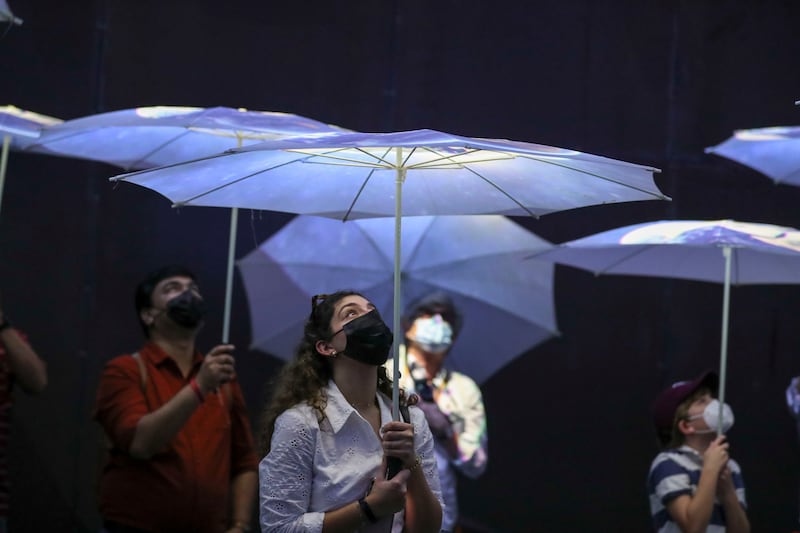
(316,467)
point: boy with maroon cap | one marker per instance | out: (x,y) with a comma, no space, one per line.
(693,484)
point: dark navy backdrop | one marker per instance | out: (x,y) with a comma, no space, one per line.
(650,82)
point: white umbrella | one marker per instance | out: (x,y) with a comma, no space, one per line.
(6,15)
(774,152)
(507,304)
(420,172)
(719,251)
(146,137)
(19,129)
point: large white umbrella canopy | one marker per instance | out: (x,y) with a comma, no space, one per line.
(418,172)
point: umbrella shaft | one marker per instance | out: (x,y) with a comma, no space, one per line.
(723,356)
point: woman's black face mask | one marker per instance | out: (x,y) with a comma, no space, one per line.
(369,339)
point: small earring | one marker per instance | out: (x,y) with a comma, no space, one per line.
(333,353)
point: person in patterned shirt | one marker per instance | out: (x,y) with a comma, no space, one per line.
(451,400)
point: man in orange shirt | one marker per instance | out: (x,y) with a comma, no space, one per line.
(181,455)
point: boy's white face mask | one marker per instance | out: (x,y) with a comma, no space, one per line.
(711,417)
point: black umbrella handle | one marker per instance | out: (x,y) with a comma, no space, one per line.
(393,466)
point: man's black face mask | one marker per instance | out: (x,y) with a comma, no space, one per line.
(187,309)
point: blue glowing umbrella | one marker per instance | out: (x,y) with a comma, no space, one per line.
(6,15)
(419,172)
(507,304)
(774,152)
(19,128)
(147,137)
(719,251)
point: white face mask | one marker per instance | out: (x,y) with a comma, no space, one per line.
(711,417)
(433,334)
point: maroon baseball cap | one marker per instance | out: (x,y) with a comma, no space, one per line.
(670,398)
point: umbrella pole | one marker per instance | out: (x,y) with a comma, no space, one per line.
(3,163)
(723,357)
(398,210)
(226,317)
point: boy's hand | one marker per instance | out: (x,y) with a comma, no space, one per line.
(725,485)
(716,455)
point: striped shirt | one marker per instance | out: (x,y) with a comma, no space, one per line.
(676,472)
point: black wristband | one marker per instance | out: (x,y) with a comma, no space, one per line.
(367,510)
(5,323)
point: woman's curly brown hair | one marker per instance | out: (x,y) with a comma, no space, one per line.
(304,378)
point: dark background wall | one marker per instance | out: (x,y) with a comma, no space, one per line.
(652,82)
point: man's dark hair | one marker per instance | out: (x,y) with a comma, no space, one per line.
(435,303)
(143,296)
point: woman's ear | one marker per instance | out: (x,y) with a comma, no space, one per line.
(325,348)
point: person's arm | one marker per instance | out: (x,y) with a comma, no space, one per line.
(469,425)
(157,429)
(243,491)
(244,463)
(27,367)
(423,509)
(285,476)
(692,513)
(735,515)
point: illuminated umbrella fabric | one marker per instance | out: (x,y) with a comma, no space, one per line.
(774,152)
(718,251)
(419,172)
(6,15)
(507,304)
(18,128)
(147,137)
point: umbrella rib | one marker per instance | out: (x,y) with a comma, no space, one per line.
(618,182)
(633,254)
(358,194)
(446,160)
(237,180)
(158,148)
(496,186)
(126,176)
(353,162)
(417,245)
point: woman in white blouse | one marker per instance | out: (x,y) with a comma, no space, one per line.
(328,434)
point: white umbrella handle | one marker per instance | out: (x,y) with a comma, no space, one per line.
(226,316)
(398,212)
(3,163)
(723,356)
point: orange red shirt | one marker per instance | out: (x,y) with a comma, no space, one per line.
(184,487)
